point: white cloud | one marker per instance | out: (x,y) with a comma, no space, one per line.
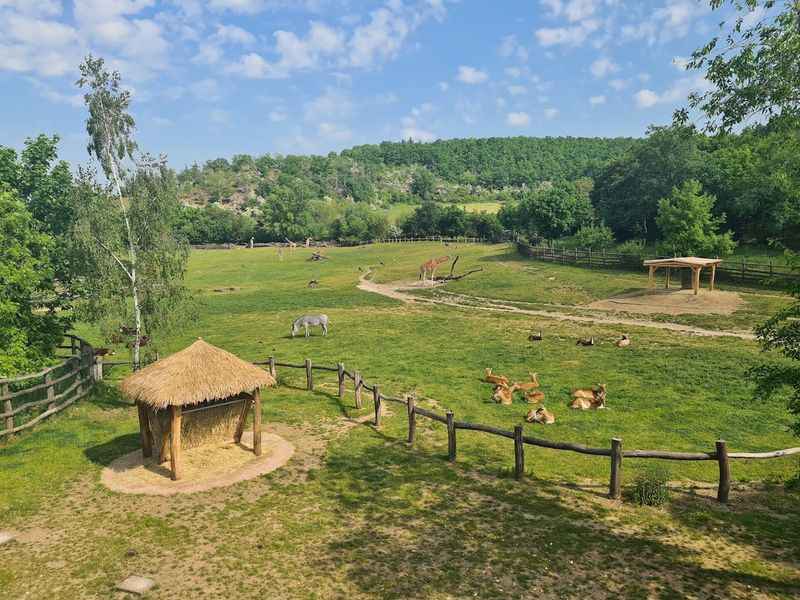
(334,132)
(471,75)
(680,62)
(380,38)
(646,98)
(550,113)
(573,35)
(206,90)
(331,105)
(672,20)
(597,100)
(232,34)
(253,66)
(208,54)
(513,72)
(53,95)
(603,66)
(518,119)
(444,86)
(517,90)
(619,84)
(34,8)
(554,6)
(247,7)
(577,10)
(277,116)
(418,135)
(510,47)
(219,117)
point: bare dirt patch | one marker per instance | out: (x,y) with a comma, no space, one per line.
(672,302)
(205,467)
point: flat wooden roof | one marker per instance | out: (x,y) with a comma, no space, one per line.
(682,261)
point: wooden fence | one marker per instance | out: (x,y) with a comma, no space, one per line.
(734,269)
(28,399)
(614,452)
(388,240)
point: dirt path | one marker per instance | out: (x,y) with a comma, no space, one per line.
(397,290)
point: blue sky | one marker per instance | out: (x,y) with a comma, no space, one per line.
(218,77)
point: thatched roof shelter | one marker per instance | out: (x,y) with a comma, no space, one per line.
(694,263)
(213,388)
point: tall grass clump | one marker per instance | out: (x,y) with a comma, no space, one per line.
(650,487)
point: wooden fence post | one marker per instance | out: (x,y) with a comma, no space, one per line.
(97,369)
(7,406)
(376,397)
(412,420)
(51,390)
(357,384)
(724,472)
(519,453)
(451,437)
(309,376)
(340,373)
(615,486)
(272,369)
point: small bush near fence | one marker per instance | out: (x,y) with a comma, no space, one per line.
(650,487)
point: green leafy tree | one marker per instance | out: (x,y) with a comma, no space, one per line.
(133,264)
(423,184)
(30,327)
(688,225)
(551,212)
(359,223)
(751,66)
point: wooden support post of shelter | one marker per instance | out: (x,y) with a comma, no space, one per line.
(257,422)
(615,485)
(451,436)
(145,434)
(724,472)
(272,369)
(519,453)
(176,417)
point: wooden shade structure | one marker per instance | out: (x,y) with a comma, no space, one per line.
(198,391)
(684,262)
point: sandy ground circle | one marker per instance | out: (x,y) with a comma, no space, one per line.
(673,302)
(205,467)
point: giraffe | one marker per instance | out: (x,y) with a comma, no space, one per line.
(292,245)
(429,267)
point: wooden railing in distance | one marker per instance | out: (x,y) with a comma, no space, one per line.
(614,452)
(25,405)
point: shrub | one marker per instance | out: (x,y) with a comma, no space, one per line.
(632,247)
(650,487)
(595,237)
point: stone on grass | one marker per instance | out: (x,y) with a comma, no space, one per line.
(136,585)
(5,536)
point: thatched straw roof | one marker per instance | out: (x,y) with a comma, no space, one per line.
(196,374)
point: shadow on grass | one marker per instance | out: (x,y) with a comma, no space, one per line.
(423,528)
(103,454)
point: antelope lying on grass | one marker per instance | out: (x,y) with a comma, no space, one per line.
(624,341)
(540,415)
(527,385)
(495,379)
(585,342)
(503,394)
(534,396)
(587,398)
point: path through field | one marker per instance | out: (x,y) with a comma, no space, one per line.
(398,291)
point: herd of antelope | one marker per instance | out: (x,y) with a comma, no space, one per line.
(593,398)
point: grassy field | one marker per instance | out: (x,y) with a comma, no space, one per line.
(487,207)
(359,514)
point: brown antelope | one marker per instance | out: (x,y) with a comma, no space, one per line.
(429,267)
(527,386)
(586,398)
(503,394)
(624,341)
(534,396)
(540,415)
(495,379)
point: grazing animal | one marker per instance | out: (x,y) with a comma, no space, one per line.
(528,385)
(534,396)
(624,341)
(313,283)
(495,379)
(292,245)
(503,394)
(585,342)
(535,337)
(103,352)
(308,242)
(307,321)
(540,415)
(428,269)
(587,398)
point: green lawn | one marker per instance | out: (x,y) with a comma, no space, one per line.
(360,514)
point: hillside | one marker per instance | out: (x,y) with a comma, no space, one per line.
(463,170)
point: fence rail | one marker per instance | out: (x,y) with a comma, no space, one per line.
(614,452)
(732,269)
(24,405)
(459,239)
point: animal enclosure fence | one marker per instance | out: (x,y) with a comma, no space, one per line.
(614,453)
(29,399)
(735,270)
